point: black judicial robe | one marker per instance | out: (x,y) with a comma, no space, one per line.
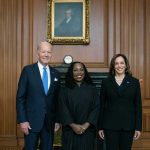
(78,105)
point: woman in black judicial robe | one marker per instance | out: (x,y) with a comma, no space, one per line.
(79,109)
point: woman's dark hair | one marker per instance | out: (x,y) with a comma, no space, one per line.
(112,65)
(69,80)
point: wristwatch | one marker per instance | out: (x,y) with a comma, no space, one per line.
(68,59)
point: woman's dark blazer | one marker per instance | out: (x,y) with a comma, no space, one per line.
(121,108)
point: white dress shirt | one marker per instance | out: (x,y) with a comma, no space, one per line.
(41,72)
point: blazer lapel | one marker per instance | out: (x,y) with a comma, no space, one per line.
(126,83)
(114,84)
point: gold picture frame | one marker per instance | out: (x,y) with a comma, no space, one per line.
(68,22)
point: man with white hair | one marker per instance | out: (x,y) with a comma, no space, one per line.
(37,99)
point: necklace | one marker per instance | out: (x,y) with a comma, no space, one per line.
(119,80)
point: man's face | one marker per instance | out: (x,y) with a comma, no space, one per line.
(45,53)
(68,14)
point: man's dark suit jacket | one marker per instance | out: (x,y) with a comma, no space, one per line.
(32,103)
(121,108)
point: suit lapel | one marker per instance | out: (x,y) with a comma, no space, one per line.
(52,77)
(38,78)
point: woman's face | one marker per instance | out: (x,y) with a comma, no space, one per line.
(78,73)
(120,66)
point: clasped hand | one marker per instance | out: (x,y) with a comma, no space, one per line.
(79,129)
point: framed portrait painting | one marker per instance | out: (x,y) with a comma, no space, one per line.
(68,21)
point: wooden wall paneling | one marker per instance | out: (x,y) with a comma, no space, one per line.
(27,30)
(124,26)
(146,88)
(100,20)
(39,23)
(136,38)
(31,8)
(111,29)
(117,25)
(1,62)
(145,139)
(147,52)
(139,39)
(8,59)
(132,34)
(19,38)
(19,61)
(146,121)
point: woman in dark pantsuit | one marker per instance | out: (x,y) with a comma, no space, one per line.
(121,110)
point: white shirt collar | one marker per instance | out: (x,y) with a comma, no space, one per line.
(41,66)
(41,71)
(67,21)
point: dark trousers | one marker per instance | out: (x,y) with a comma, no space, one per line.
(46,140)
(118,140)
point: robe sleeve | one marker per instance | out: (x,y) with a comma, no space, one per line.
(64,114)
(93,116)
